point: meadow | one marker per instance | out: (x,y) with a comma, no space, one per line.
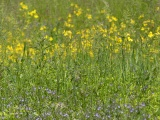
(80,60)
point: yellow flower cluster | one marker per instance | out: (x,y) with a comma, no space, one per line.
(32,13)
(72,40)
(67,33)
(78,10)
(89,16)
(43,28)
(68,23)
(23,6)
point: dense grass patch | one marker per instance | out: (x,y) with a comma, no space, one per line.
(80,59)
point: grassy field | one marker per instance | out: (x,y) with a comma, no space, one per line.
(80,60)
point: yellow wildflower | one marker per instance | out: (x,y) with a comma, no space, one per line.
(12,58)
(109,18)
(142,28)
(116,50)
(141,16)
(132,21)
(114,18)
(50,38)
(143,39)
(123,25)
(23,6)
(69,20)
(43,28)
(150,35)
(69,15)
(36,16)
(89,16)
(86,44)
(118,39)
(91,53)
(145,24)
(73,49)
(56,46)
(67,33)
(32,52)
(10,48)
(129,39)
(46,37)
(68,25)
(19,48)
(32,13)
(79,12)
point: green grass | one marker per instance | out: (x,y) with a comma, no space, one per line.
(80,59)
